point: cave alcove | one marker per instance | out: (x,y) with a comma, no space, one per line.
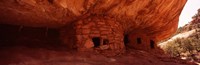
(30,37)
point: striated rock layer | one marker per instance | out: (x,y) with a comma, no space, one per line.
(103,24)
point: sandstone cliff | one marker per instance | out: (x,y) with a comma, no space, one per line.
(106,24)
(108,27)
(154,17)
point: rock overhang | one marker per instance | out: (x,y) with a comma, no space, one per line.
(157,19)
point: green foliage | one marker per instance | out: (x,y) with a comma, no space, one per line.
(196,15)
(183,45)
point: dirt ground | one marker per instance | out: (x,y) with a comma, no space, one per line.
(21,55)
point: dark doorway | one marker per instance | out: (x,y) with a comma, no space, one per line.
(126,40)
(139,41)
(152,43)
(96,41)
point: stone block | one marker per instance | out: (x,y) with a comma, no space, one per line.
(111,46)
(94,29)
(86,26)
(89,19)
(85,22)
(105,32)
(86,31)
(111,39)
(104,47)
(111,23)
(89,43)
(100,23)
(85,36)
(79,32)
(99,26)
(91,24)
(106,26)
(117,38)
(104,29)
(94,35)
(95,32)
(104,36)
(113,27)
(79,23)
(79,38)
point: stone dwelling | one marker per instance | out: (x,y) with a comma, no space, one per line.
(105,26)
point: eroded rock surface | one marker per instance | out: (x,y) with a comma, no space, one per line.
(143,21)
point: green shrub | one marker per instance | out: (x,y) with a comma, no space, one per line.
(182,45)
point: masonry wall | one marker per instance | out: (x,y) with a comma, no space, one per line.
(110,33)
(104,29)
(141,41)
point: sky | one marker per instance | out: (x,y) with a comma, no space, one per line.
(189,10)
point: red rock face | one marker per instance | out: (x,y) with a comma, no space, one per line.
(81,21)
